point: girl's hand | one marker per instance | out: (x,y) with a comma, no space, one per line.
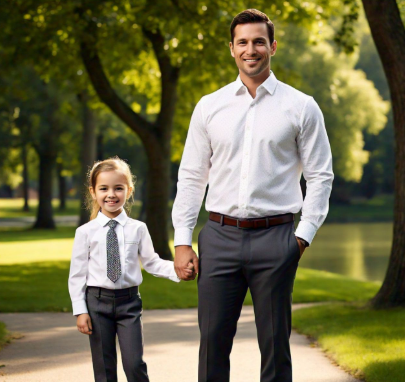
(83,323)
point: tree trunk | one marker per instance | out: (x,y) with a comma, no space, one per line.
(62,187)
(388,33)
(142,212)
(25,177)
(100,146)
(45,210)
(88,154)
(155,137)
(157,197)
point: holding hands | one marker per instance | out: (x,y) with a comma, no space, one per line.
(185,263)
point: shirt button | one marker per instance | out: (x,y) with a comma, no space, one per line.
(244,176)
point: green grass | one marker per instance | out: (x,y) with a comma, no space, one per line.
(3,335)
(42,286)
(12,208)
(377,209)
(368,343)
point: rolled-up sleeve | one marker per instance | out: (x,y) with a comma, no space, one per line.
(78,273)
(151,261)
(193,178)
(316,157)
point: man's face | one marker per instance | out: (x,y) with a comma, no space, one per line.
(251,48)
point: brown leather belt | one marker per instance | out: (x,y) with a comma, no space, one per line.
(252,223)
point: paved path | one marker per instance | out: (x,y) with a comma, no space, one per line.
(53,351)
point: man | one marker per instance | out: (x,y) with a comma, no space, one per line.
(250,141)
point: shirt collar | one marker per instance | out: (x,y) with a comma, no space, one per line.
(102,219)
(270,84)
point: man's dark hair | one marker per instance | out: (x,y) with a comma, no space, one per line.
(252,16)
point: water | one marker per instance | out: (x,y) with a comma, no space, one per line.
(358,250)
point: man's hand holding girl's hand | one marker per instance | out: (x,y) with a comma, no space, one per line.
(185,262)
(83,323)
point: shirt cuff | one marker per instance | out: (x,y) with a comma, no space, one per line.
(79,307)
(306,231)
(183,236)
(173,276)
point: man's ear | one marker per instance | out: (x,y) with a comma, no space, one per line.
(273,48)
(231,49)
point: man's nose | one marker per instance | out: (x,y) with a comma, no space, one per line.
(250,49)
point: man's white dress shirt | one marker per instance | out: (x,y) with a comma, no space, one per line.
(252,152)
(89,258)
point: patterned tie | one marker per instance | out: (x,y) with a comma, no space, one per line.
(113,253)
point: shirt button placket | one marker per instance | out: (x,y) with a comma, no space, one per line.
(245,158)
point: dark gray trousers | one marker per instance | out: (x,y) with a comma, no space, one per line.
(116,312)
(231,261)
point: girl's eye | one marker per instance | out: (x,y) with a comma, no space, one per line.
(102,189)
(119,188)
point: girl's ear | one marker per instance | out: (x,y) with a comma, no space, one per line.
(92,193)
(130,189)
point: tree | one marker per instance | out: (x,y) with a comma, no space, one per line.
(388,32)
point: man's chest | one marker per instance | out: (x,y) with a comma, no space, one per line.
(264,125)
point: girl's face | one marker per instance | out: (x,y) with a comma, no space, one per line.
(111,192)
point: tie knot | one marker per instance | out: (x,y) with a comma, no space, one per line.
(112,223)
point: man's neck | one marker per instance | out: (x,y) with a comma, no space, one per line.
(252,83)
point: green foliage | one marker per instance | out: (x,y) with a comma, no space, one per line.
(350,103)
(368,343)
(196,37)
(345,38)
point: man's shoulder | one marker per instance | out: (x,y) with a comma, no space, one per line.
(220,93)
(293,93)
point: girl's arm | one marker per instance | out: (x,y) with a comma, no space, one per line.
(78,273)
(151,261)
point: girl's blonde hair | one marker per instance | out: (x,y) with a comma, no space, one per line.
(110,164)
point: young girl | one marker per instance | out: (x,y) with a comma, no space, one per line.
(105,273)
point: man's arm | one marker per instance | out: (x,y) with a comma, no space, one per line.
(316,158)
(191,186)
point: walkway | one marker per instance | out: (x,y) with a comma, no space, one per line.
(53,351)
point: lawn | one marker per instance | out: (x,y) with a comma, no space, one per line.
(12,208)
(378,209)
(368,343)
(3,335)
(34,268)
(42,286)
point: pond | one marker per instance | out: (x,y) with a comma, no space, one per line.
(357,250)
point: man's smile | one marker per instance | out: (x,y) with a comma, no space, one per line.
(251,59)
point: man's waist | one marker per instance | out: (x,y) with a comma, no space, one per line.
(252,223)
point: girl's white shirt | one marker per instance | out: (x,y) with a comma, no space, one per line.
(88,266)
